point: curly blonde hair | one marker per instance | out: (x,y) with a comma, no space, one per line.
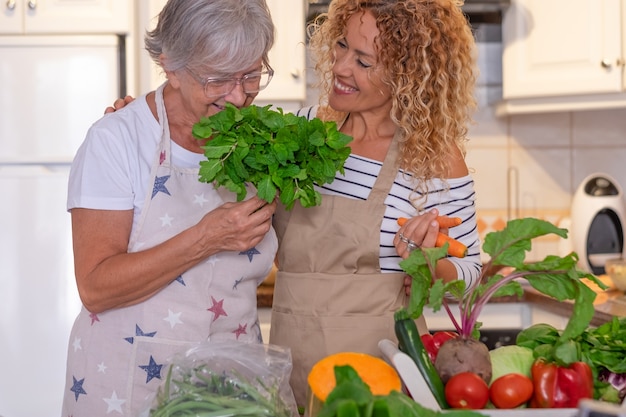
(427,50)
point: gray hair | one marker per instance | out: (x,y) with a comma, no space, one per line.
(224,36)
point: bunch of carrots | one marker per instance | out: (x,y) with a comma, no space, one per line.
(455,248)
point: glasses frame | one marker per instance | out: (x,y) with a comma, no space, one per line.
(206,82)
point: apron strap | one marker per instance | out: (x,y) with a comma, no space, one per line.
(162,157)
(160,107)
(388,172)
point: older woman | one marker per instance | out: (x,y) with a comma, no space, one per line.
(163,261)
(398,76)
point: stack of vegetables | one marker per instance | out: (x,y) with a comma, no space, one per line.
(546,368)
(553,374)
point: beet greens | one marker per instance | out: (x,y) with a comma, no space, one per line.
(557,277)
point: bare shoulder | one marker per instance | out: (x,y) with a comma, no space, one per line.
(457,167)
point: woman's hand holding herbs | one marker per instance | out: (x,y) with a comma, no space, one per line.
(236,226)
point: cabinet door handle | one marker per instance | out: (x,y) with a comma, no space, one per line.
(10,4)
(606,64)
(295,74)
(32,4)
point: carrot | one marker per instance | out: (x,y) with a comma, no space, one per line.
(447,222)
(444,221)
(455,248)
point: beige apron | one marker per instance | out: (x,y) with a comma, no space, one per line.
(330,295)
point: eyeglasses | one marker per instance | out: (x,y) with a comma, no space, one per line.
(252,83)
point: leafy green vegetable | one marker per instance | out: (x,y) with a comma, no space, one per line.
(555,276)
(275,152)
(351,397)
(201,391)
(603,348)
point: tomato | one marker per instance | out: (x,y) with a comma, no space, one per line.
(467,390)
(511,390)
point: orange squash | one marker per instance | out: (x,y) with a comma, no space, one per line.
(381,377)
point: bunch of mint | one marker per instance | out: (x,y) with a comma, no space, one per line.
(275,152)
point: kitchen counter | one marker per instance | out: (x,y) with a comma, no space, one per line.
(264,295)
(608,303)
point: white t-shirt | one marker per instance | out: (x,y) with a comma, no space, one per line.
(111,170)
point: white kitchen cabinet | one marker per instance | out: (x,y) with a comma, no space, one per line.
(287,56)
(149,75)
(563,55)
(65,16)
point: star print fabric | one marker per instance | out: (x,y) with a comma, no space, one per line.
(117,359)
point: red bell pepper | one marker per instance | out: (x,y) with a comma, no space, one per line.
(559,386)
(432,342)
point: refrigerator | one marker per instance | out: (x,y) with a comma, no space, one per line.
(52,88)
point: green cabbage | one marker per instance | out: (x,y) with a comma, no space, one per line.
(511,359)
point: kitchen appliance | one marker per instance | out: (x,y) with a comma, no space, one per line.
(53,88)
(597,222)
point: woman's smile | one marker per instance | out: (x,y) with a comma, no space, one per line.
(342,88)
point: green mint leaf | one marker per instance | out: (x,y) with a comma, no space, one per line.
(287,193)
(283,155)
(214,152)
(240,168)
(329,169)
(209,169)
(338,140)
(266,189)
(306,199)
(273,120)
(203,129)
(292,171)
(231,172)
(317,138)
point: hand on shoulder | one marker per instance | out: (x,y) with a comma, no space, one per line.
(118,104)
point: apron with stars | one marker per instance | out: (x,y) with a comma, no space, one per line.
(118,359)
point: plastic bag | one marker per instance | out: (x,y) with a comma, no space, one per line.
(227,378)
